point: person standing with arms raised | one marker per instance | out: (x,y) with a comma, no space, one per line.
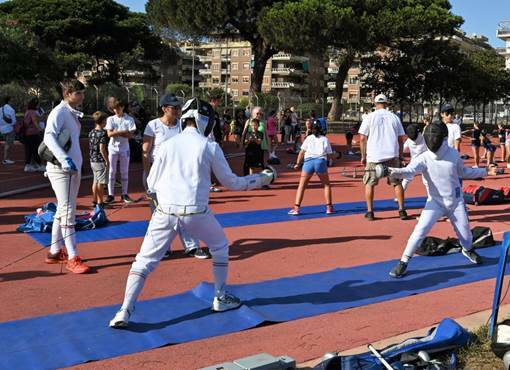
(381,141)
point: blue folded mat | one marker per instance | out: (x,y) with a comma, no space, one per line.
(77,337)
(136,229)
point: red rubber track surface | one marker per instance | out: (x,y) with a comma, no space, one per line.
(260,252)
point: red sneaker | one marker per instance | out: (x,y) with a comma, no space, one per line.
(59,257)
(75,265)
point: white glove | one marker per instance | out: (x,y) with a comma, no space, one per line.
(69,166)
(266,177)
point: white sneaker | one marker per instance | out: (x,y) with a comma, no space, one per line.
(226,302)
(30,168)
(121,319)
(472,256)
(7,161)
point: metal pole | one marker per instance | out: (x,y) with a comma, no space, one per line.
(157,98)
(193,69)
(226,73)
(127,89)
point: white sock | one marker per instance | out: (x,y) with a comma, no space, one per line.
(220,271)
(134,285)
(405,259)
(69,235)
(56,237)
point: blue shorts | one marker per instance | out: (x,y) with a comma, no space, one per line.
(315,165)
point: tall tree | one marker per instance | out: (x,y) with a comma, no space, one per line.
(83,32)
(197,19)
(353,28)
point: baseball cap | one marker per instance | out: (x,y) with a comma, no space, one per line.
(447,108)
(381,98)
(169,99)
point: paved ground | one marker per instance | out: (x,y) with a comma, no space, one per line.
(261,252)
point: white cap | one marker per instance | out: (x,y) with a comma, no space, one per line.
(381,98)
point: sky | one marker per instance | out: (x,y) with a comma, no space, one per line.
(480,16)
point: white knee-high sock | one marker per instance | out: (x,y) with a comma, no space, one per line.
(56,237)
(69,235)
(134,285)
(220,271)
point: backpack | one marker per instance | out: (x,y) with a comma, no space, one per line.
(432,246)
(5,118)
(477,195)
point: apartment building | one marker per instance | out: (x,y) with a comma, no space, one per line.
(228,64)
(503,32)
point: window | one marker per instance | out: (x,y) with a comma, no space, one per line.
(246,93)
(246,79)
(235,93)
(216,66)
(235,66)
(266,80)
(353,80)
(216,53)
(235,80)
(235,52)
(246,52)
(246,66)
(215,80)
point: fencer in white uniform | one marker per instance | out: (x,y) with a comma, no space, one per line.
(64,173)
(156,133)
(441,167)
(181,176)
(415,143)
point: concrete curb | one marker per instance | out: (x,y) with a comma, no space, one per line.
(470,322)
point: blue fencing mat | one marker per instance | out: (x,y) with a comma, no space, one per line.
(137,229)
(61,340)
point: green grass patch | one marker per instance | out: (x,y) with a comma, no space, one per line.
(477,355)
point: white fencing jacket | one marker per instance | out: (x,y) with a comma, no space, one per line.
(442,171)
(61,117)
(181,172)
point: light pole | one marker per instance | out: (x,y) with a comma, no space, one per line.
(193,69)
(157,98)
(127,89)
(97,96)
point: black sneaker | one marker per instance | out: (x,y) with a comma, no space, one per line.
(109,199)
(198,253)
(370,216)
(399,270)
(126,199)
(403,214)
(472,256)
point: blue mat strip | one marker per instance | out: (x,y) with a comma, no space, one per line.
(137,229)
(84,336)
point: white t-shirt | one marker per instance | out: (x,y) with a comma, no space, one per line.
(453,134)
(8,111)
(416,147)
(161,133)
(124,123)
(383,130)
(316,147)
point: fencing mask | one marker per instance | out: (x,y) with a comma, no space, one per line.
(203,114)
(434,134)
(412,131)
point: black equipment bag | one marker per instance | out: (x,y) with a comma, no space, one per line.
(432,246)
(482,237)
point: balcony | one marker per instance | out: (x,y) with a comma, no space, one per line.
(289,57)
(287,85)
(285,71)
(205,85)
(333,70)
(205,58)
(503,31)
(332,85)
(204,71)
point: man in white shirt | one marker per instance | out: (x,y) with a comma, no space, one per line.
(7,122)
(454,133)
(120,128)
(181,176)
(381,141)
(156,133)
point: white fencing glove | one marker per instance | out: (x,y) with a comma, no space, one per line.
(69,166)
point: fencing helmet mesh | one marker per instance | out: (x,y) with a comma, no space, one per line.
(434,135)
(412,132)
(203,114)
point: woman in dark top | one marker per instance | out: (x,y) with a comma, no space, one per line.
(502,140)
(476,142)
